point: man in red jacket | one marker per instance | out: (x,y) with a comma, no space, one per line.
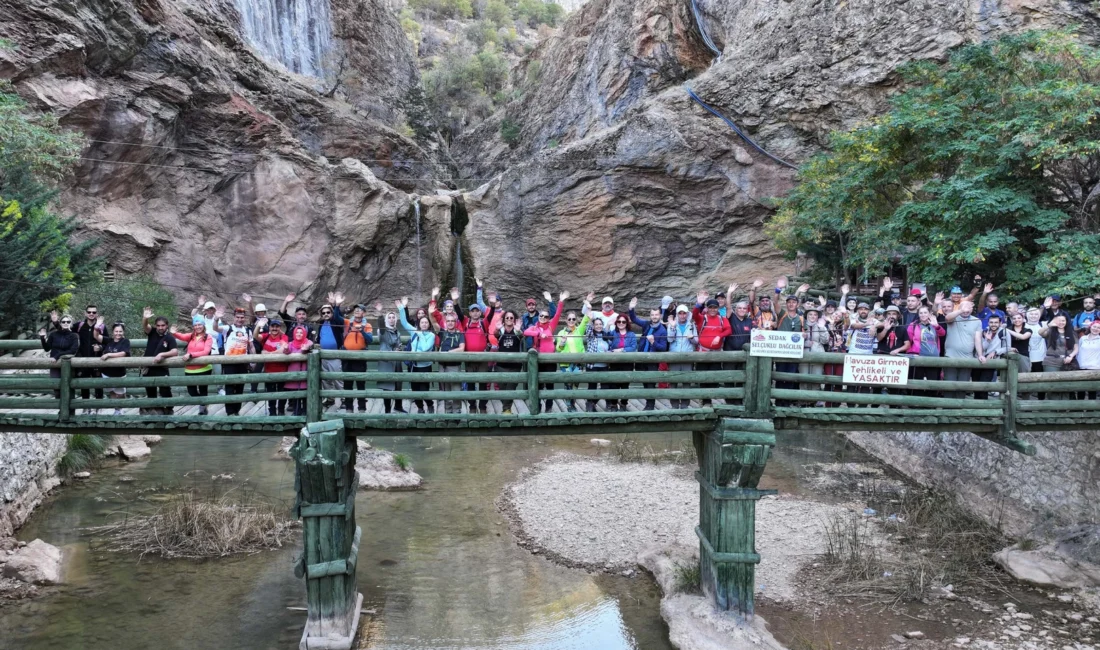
(713,330)
(477,340)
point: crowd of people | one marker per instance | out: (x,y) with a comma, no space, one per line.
(956,324)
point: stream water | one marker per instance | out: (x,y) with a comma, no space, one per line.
(438,568)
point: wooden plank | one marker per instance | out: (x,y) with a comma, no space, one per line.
(65,405)
(533,404)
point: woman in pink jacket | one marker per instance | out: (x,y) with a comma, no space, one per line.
(542,333)
(199,344)
(924,341)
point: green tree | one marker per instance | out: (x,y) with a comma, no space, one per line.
(123,300)
(40,262)
(989,163)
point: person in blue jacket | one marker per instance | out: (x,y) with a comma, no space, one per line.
(654,339)
(622,340)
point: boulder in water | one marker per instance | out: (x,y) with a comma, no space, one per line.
(36,563)
(379,470)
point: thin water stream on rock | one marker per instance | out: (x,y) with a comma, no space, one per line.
(438,568)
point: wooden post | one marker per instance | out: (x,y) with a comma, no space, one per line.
(325,481)
(313,387)
(65,409)
(1011,394)
(752,372)
(730,466)
(763,407)
(533,381)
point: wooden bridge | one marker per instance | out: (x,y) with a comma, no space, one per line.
(733,403)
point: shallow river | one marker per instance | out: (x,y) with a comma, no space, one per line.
(438,567)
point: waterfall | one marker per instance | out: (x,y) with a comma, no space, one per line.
(295,33)
(458,266)
(419,260)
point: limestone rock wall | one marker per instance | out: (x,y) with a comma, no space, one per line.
(1057,487)
(28,463)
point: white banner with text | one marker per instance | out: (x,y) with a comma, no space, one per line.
(876,369)
(783,345)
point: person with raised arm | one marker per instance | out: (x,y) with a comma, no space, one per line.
(329,334)
(924,341)
(389,340)
(713,330)
(450,340)
(596,341)
(571,341)
(199,344)
(422,340)
(506,335)
(276,344)
(238,342)
(1062,348)
(542,333)
(962,326)
(990,343)
(476,339)
(654,338)
(61,341)
(161,345)
(358,334)
(259,326)
(763,312)
(301,316)
(299,344)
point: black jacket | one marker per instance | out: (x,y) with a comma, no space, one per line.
(60,343)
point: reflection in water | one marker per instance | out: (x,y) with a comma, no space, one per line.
(438,568)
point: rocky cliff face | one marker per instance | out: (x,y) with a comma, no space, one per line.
(635,189)
(218,171)
(209,167)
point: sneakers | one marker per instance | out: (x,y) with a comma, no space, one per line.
(203,411)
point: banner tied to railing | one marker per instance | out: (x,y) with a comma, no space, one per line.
(883,370)
(782,345)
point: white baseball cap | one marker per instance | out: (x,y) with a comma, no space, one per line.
(260,307)
(608,299)
(209,305)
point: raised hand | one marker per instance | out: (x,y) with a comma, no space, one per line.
(844,288)
(454,294)
(802,288)
(701,297)
(634,302)
(821,299)
(431,308)
(730,291)
(757,283)
(173,329)
(404,302)
(99,321)
(781,283)
(339,298)
(590,297)
(147,312)
(887,283)
(378,306)
(435,292)
(219,312)
(330,297)
(563,296)
(42,333)
(1048,302)
(549,298)
(246,298)
(988,288)
(477,281)
(261,322)
(290,296)
(202,300)
(966,303)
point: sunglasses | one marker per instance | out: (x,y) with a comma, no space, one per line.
(325,312)
(620,322)
(544,317)
(66,322)
(92,312)
(571,320)
(509,318)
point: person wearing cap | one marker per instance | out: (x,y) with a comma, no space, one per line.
(815,339)
(682,337)
(274,342)
(713,330)
(211,318)
(654,338)
(912,308)
(238,341)
(963,330)
(893,339)
(763,313)
(721,298)
(862,331)
(1052,307)
(668,308)
(607,312)
(530,317)
(476,335)
(450,339)
(449,306)
(259,326)
(301,316)
(791,321)
(199,344)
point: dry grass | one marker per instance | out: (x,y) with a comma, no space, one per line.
(192,526)
(932,542)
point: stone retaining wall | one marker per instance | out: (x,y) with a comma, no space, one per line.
(1058,486)
(28,471)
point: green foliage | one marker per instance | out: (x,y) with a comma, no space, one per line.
(411,28)
(123,300)
(402,461)
(481,32)
(443,8)
(986,164)
(537,12)
(688,578)
(459,88)
(497,12)
(84,451)
(510,131)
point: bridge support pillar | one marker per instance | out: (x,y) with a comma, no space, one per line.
(731,460)
(325,481)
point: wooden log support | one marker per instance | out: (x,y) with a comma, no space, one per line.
(325,482)
(313,387)
(1011,395)
(533,381)
(732,457)
(65,409)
